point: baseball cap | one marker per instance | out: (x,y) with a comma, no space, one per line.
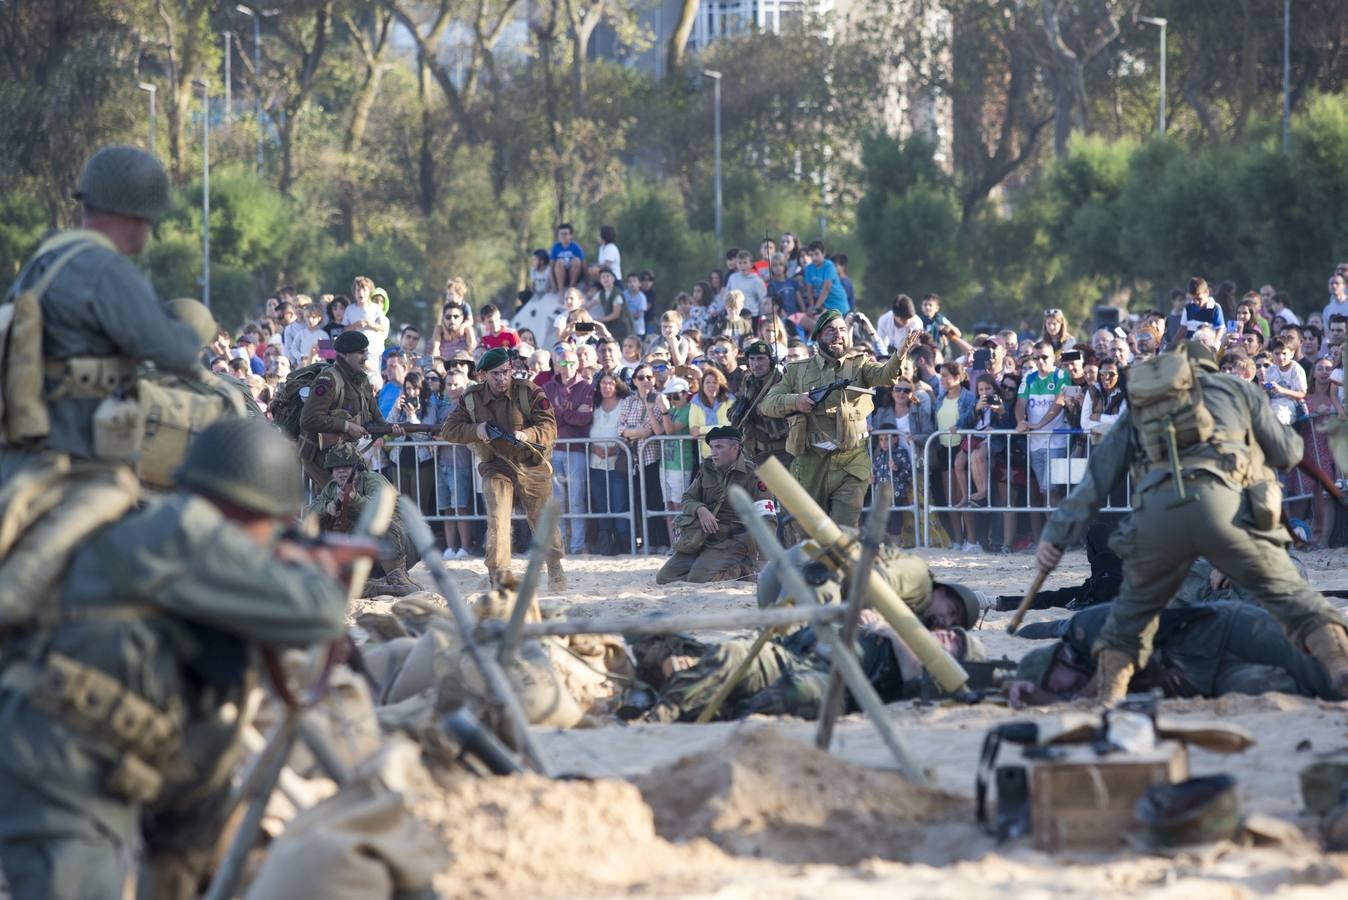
(676,386)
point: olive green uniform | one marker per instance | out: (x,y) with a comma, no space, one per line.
(729,552)
(98,313)
(510,471)
(764,435)
(832,461)
(339,394)
(112,720)
(366,487)
(1159,541)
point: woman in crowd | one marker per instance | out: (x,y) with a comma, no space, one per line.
(716,285)
(790,250)
(974,461)
(954,403)
(608,470)
(699,316)
(909,418)
(773,332)
(1106,399)
(414,466)
(453,332)
(1055,331)
(608,255)
(710,406)
(336,312)
(609,307)
(641,415)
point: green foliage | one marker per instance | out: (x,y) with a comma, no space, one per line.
(21,228)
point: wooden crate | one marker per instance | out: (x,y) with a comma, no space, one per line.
(1086,801)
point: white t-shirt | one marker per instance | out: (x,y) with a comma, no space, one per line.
(372,314)
(1335,308)
(753,289)
(609,256)
(1294,378)
(605,425)
(891,335)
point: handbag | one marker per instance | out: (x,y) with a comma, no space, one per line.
(691,537)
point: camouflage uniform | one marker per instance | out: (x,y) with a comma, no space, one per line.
(730,552)
(1159,542)
(161,617)
(506,470)
(832,461)
(339,394)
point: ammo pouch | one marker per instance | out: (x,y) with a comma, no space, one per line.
(111,380)
(1265,499)
(173,417)
(23,405)
(94,703)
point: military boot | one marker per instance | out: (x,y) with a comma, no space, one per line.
(556,579)
(1329,645)
(1114,669)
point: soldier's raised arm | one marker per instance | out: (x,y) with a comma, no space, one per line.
(874,374)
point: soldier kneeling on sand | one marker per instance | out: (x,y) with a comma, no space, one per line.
(712,543)
(339,505)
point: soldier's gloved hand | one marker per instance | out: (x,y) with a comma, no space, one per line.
(707,520)
(1047,556)
(802,403)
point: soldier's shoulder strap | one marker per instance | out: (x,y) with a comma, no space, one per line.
(470,396)
(525,391)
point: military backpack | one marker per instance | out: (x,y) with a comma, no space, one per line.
(1165,401)
(288,406)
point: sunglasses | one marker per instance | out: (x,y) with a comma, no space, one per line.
(677,395)
(643,377)
(660,368)
(565,363)
(701,361)
(720,351)
(1042,357)
(899,390)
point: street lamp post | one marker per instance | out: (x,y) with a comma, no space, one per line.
(716,104)
(1286,72)
(1160,115)
(229,92)
(205,192)
(150,89)
(256,15)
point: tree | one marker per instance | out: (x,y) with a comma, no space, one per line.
(678,38)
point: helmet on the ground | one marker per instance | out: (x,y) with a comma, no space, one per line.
(196,316)
(246,462)
(125,180)
(341,455)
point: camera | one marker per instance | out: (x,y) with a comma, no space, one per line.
(584,327)
(652,396)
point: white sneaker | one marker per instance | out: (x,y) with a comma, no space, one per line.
(974,547)
(463,553)
(448,555)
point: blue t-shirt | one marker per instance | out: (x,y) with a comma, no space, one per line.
(1196,314)
(257,366)
(784,292)
(569,252)
(815,276)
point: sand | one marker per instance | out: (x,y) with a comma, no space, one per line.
(750,809)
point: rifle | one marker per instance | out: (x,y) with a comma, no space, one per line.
(329,439)
(496,433)
(346,548)
(343,523)
(821,393)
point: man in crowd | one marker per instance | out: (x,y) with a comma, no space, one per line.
(395,370)
(714,545)
(339,406)
(1223,443)
(764,436)
(1041,406)
(99,316)
(572,399)
(724,354)
(339,505)
(118,718)
(828,439)
(515,464)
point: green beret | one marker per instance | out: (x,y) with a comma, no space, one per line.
(492,358)
(821,323)
(758,348)
(725,432)
(351,342)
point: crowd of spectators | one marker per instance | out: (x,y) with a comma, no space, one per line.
(1014,410)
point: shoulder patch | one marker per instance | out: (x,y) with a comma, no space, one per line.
(543,403)
(320,389)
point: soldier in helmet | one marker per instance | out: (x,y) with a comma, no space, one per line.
(119,711)
(1202,447)
(764,436)
(340,404)
(339,505)
(98,318)
(828,439)
(515,465)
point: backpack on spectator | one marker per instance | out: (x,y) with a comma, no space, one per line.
(288,405)
(1164,393)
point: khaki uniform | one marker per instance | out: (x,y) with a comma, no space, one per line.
(832,461)
(729,552)
(339,394)
(764,436)
(99,312)
(112,720)
(507,471)
(1158,542)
